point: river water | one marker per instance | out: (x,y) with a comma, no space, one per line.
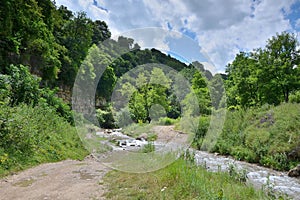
(257,175)
(260,177)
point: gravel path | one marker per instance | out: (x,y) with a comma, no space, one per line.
(67,179)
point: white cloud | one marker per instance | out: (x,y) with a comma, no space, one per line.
(150,37)
(222,28)
(210,67)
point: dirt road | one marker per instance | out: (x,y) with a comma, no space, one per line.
(67,179)
(64,180)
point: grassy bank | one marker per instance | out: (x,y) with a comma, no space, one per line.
(180,180)
(268,135)
(33,135)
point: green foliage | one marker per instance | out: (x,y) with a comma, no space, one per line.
(267,135)
(180,180)
(265,75)
(105,117)
(22,86)
(295,97)
(149,147)
(51,41)
(167,121)
(28,39)
(49,99)
(217,91)
(19,86)
(201,131)
(237,174)
(32,135)
(150,97)
(123,117)
(201,90)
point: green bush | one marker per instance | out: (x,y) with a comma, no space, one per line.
(19,86)
(167,121)
(201,131)
(266,135)
(295,97)
(148,148)
(123,117)
(22,87)
(105,117)
(32,135)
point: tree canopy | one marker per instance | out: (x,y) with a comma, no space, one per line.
(267,75)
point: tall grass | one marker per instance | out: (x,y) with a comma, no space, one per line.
(268,135)
(29,136)
(180,180)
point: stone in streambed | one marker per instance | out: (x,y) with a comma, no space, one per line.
(295,172)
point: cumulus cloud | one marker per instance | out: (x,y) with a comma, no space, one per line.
(225,27)
(222,28)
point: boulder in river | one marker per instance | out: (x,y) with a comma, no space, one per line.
(143,136)
(295,172)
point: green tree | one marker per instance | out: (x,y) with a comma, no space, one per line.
(283,54)
(201,90)
(266,75)
(77,40)
(27,39)
(241,84)
(23,87)
(151,89)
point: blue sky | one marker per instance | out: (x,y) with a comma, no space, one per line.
(211,31)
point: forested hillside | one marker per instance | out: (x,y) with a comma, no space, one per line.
(43,47)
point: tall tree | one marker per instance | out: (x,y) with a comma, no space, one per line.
(283,56)
(266,75)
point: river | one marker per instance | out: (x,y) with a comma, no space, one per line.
(260,177)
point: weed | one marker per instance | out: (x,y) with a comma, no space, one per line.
(239,175)
(180,180)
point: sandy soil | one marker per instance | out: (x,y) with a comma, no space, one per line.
(167,134)
(67,179)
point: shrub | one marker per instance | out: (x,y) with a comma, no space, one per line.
(148,148)
(19,86)
(32,135)
(295,97)
(167,121)
(105,117)
(265,135)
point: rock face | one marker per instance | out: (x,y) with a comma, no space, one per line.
(295,172)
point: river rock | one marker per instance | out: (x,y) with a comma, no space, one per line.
(142,136)
(295,172)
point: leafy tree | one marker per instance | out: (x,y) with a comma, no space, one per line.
(283,55)
(266,75)
(201,91)
(19,86)
(100,31)
(242,83)
(78,39)
(23,87)
(27,39)
(152,89)
(199,66)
